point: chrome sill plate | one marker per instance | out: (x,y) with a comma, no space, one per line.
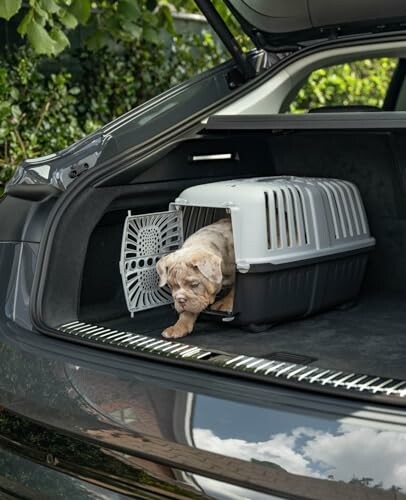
(304,376)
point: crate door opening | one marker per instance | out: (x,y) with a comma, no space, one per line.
(301,244)
(195,218)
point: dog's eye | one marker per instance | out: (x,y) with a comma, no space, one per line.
(195,284)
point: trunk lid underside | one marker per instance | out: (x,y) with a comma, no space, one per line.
(273,23)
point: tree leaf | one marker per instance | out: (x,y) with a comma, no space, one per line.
(41,15)
(81,9)
(97,40)
(167,20)
(151,35)
(68,20)
(132,29)
(40,39)
(22,27)
(61,41)
(50,6)
(8,8)
(129,9)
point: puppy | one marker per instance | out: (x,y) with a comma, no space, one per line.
(197,272)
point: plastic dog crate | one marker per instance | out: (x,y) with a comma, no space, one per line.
(301,244)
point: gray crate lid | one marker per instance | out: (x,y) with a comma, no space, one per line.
(280,220)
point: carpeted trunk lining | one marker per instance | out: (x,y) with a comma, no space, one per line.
(367,338)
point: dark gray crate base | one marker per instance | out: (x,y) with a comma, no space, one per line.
(265,298)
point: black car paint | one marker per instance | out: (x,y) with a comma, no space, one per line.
(57,413)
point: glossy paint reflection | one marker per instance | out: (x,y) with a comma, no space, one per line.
(321,448)
(26,479)
(305,445)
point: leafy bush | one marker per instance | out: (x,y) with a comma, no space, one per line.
(43,110)
(114,84)
(37,114)
(359,82)
(45,24)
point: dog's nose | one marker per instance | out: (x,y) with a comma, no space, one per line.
(182,300)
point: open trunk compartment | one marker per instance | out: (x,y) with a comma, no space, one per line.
(369,337)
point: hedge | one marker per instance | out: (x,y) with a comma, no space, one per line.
(360,82)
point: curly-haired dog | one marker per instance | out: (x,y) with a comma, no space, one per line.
(197,272)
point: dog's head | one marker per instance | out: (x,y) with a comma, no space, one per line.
(194,277)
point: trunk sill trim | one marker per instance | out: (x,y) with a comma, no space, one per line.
(299,375)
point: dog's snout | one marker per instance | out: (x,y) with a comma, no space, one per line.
(180,297)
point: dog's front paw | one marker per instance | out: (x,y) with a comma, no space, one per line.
(175,332)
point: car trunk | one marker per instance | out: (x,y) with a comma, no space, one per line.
(367,336)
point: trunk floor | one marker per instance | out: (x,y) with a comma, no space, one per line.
(369,338)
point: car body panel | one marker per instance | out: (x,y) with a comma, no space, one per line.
(21,477)
(278,22)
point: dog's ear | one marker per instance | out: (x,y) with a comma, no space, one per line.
(162,267)
(210,266)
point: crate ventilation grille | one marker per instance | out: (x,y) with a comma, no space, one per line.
(287,213)
(345,209)
(286,221)
(146,238)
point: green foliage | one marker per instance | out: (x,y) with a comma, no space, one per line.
(37,114)
(116,83)
(44,111)
(46,23)
(9,8)
(222,9)
(359,82)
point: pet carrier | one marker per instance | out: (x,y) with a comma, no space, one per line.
(301,244)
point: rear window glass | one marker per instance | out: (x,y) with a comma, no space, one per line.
(357,83)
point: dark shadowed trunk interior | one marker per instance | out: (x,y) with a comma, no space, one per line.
(368,337)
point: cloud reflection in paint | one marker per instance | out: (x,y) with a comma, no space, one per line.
(347,453)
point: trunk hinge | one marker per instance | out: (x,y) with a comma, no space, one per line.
(225,35)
